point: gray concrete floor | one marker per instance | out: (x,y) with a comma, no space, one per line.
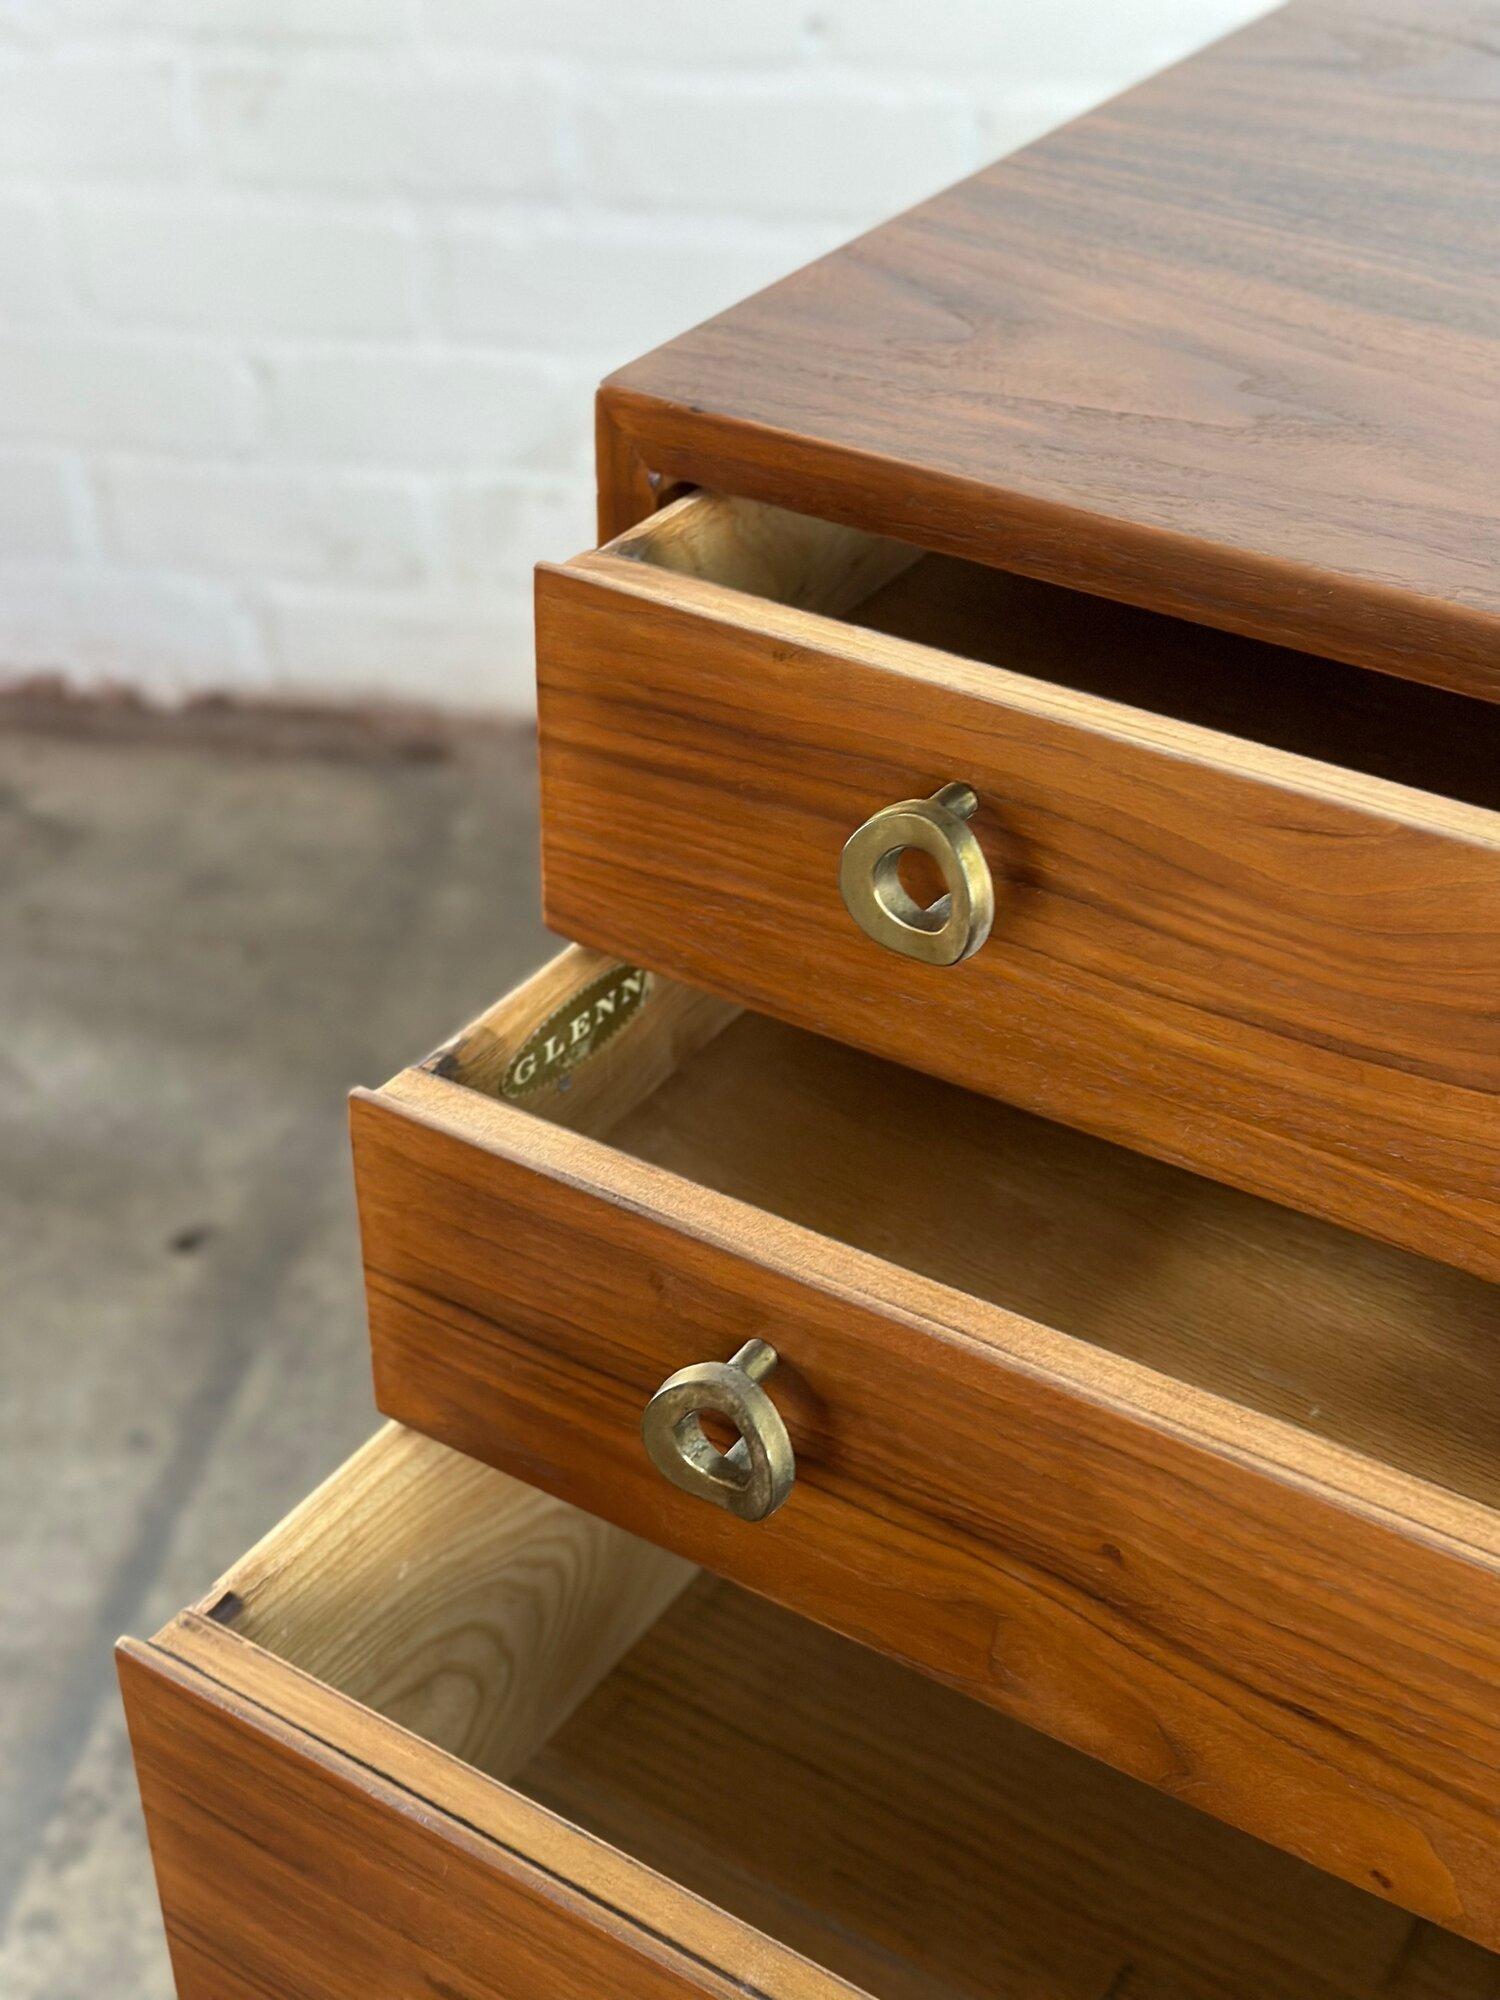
(211,926)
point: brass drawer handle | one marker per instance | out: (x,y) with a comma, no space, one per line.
(957,924)
(755,1475)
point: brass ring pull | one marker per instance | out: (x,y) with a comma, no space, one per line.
(755,1475)
(957,924)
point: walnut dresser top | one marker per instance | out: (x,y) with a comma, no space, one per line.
(1228,347)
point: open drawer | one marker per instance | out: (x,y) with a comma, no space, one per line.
(440,1734)
(1202,1486)
(1245,905)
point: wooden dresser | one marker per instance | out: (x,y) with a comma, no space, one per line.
(945,1355)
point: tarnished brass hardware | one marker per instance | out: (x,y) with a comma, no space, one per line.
(755,1475)
(957,924)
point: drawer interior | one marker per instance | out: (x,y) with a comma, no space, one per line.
(1371,1348)
(1403,731)
(874,1821)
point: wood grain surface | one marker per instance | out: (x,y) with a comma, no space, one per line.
(1197,1485)
(317,1747)
(1229,346)
(890,1831)
(310,1849)
(1278,971)
(473,1610)
(315,1838)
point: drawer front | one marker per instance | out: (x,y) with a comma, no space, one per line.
(299,1853)
(1291,1636)
(325,1800)
(1269,970)
(442,1735)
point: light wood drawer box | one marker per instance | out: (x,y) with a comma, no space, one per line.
(1204,1487)
(440,1734)
(1247,901)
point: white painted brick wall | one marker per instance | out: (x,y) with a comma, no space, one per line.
(302,302)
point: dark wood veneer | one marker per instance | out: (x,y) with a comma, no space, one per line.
(1227,347)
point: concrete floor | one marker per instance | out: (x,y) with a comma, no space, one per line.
(210,927)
